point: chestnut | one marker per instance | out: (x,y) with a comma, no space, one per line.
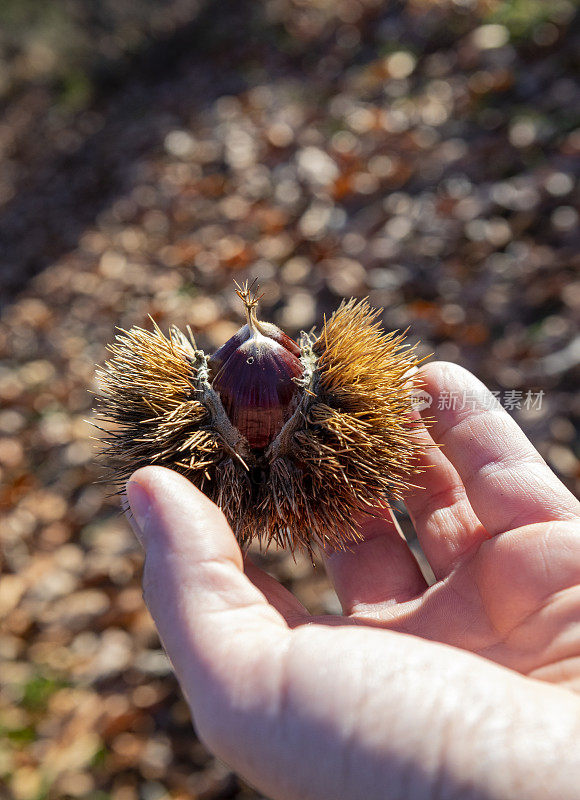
(290,440)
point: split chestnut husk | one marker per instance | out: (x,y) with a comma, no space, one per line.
(291,441)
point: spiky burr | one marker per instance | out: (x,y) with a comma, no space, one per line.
(291,441)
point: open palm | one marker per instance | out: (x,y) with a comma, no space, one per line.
(385,695)
(500,531)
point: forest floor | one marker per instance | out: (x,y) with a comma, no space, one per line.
(423,154)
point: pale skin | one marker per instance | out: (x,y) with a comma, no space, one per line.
(465,689)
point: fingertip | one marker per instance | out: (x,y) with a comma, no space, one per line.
(370,523)
(155,479)
(455,394)
(379,568)
(507,482)
(171,513)
(439,375)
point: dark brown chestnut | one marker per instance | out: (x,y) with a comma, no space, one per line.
(256,375)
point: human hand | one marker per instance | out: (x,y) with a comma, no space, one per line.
(416,692)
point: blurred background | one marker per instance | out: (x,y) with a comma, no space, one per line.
(424,153)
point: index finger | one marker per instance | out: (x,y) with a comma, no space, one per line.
(507,482)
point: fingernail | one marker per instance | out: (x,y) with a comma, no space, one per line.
(140,510)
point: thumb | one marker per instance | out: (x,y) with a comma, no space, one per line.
(211,619)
